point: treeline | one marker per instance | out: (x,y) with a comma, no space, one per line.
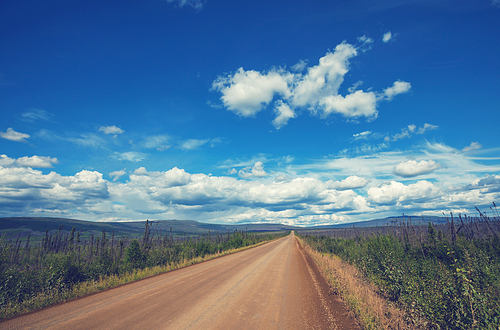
(444,277)
(63,260)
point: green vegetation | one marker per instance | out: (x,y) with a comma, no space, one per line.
(64,266)
(444,277)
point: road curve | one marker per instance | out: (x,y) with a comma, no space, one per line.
(273,286)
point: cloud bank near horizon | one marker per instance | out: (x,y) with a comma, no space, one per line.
(265,190)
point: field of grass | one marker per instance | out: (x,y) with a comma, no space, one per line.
(64,266)
(441,277)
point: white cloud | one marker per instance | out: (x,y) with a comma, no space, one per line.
(285,191)
(300,66)
(24,190)
(6,161)
(351,182)
(33,161)
(324,79)
(12,135)
(193,144)
(496,3)
(355,86)
(131,156)
(398,87)
(387,37)
(117,174)
(357,104)
(397,193)
(247,92)
(366,43)
(488,184)
(409,130)
(256,171)
(231,171)
(427,127)
(473,146)
(111,130)
(36,161)
(412,168)
(283,114)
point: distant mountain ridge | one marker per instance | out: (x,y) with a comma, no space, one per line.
(12,227)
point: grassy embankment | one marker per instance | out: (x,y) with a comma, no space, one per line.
(406,276)
(62,267)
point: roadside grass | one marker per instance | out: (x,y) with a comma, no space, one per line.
(362,297)
(63,292)
(429,277)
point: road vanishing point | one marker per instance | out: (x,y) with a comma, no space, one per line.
(272,286)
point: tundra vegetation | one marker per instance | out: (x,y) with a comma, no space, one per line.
(63,266)
(428,276)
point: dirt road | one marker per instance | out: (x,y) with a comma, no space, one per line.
(273,286)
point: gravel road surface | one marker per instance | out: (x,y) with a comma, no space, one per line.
(273,286)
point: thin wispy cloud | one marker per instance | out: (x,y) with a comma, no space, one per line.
(195,4)
(131,156)
(33,115)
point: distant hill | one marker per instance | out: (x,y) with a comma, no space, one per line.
(37,226)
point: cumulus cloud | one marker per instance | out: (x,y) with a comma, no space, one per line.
(387,37)
(6,161)
(283,114)
(398,87)
(489,184)
(24,190)
(247,92)
(351,182)
(357,104)
(397,193)
(259,194)
(172,178)
(12,135)
(111,130)
(36,161)
(413,168)
(256,171)
(473,146)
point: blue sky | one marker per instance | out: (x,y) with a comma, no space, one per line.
(303,112)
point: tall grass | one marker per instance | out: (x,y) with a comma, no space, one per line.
(62,267)
(443,277)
